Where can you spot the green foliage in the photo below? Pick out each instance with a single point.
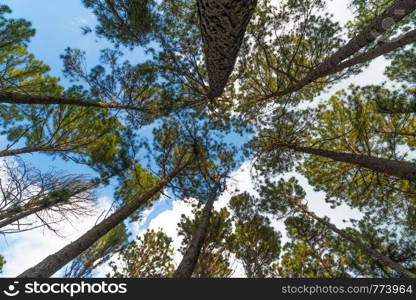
(180, 57)
(395, 242)
(287, 127)
(310, 251)
(121, 83)
(15, 31)
(21, 72)
(365, 11)
(351, 123)
(403, 67)
(280, 199)
(90, 136)
(2, 262)
(149, 256)
(99, 253)
(134, 184)
(126, 22)
(282, 46)
(214, 260)
(192, 137)
(314, 250)
(255, 242)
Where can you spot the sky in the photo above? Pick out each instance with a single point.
(57, 25)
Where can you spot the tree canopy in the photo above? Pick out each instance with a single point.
(216, 87)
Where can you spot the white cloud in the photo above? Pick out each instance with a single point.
(168, 220)
(136, 227)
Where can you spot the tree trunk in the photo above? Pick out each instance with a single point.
(223, 25)
(400, 169)
(383, 49)
(14, 214)
(395, 13)
(56, 261)
(41, 148)
(190, 258)
(16, 98)
(359, 244)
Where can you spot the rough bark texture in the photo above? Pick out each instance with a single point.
(16, 98)
(359, 244)
(190, 259)
(382, 49)
(12, 215)
(56, 261)
(223, 24)
(400, 169)
(41, 148)
(378, 26)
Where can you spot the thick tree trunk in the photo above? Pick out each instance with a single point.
(190, 258)
(359, 244)
(14, 214)
(42, 148)
(223, 25)
(400, 169)
(16, 98)
(378, 26)
(56, 261)
(383, 49)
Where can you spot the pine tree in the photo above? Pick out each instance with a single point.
(214, 260)
(256, 244)
(149, 256)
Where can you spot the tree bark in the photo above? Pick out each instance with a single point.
(190, 258)
(56, 261)
(14, 214)
(223, 25)
(396, 12)
(383, 49)
(400, 169)
(16, 98)
(42, 148)
(359, 244)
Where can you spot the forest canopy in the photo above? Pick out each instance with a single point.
(215, 89)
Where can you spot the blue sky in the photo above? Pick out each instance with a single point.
(57, 25)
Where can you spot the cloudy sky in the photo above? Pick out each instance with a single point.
(58, 26)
